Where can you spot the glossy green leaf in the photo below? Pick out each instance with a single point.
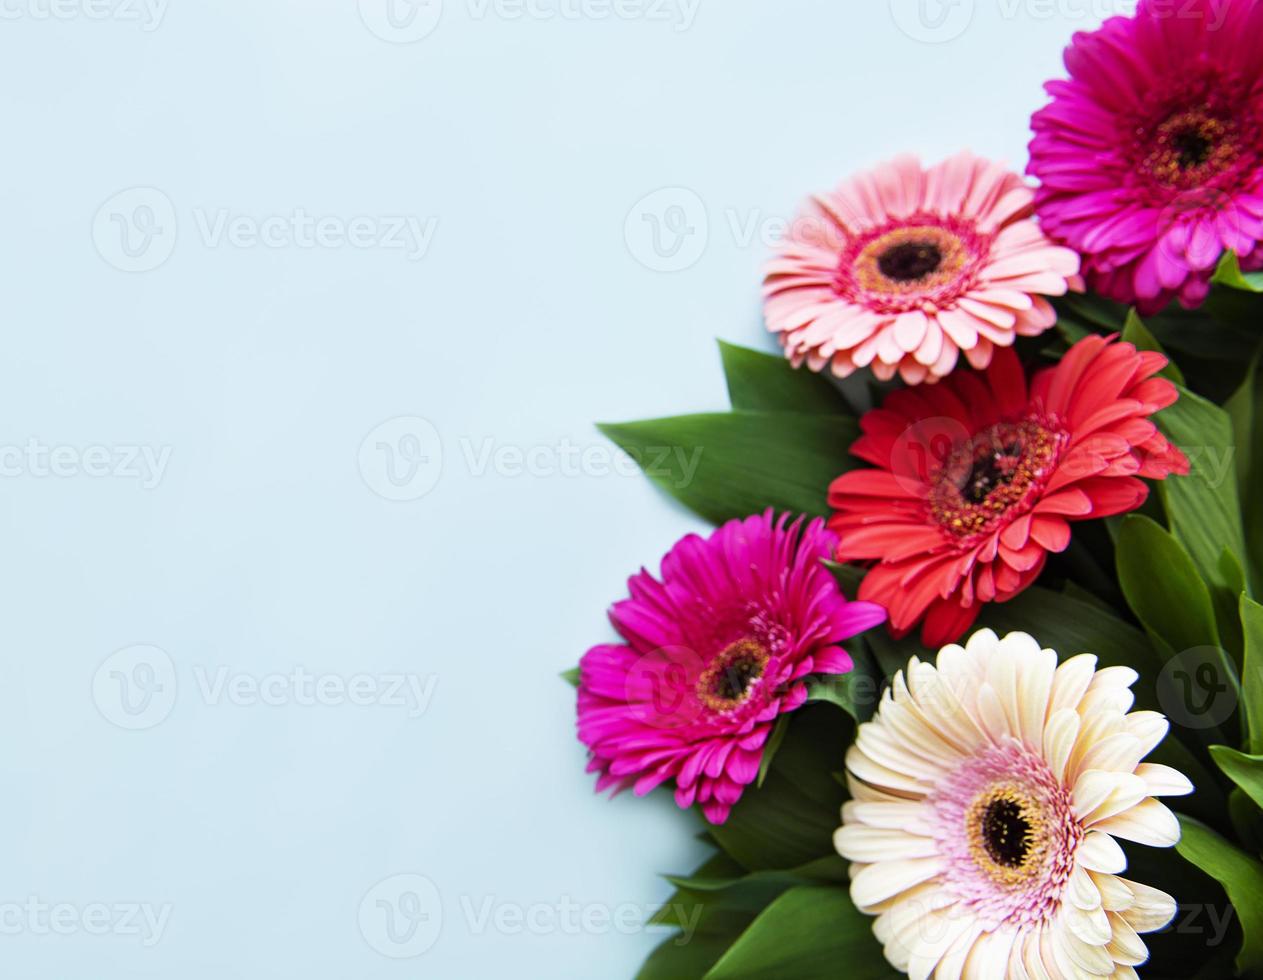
(680, 958)
(1229, 274)
(808, 933)
(725, 466)
(1204, 507)
(1163, 587)
(761, 382)
(1242, 878)
(1245, 408)
(1244, 770)
(827, 869)
(771, 747)
(1252, 673)
(790, 821)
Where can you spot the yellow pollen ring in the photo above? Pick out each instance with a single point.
(743, 662)
(954, 256)
(1021, 807)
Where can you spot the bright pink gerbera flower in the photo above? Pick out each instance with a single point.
(979, 478)
(1151, 154)
(903, 268)
(713, 654)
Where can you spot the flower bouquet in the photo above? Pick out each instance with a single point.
(967, 681)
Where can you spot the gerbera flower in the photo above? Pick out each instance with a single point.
(903, 268)
(987, 793)
(1151, 154)
(978, 478)
(713, 654)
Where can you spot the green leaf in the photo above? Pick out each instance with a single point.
(1204, 507)
(1252, 673)
(856, 692)
(1245, 408)
(1242, 878)
(790, 821)
(1136, 333)
(679, 958)
(769, 750)
(570, 676)
(1244, 770)
(761, 382)
(1162, 586)
(725, 466)
(1072, 626)
(1079, 314)
(827, 869)
(809, 933)
(1229, 274)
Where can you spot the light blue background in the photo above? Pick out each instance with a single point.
(264, 548)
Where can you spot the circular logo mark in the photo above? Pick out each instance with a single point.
(923, 449)
(932, 21)
(1182, 226)
(402, 916)
(402, 459)
(661, 687)
(667, 231)
(136, 229)
(1195, 689)
(401, 21)
(136, 687)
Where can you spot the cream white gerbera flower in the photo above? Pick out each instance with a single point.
(987, 793)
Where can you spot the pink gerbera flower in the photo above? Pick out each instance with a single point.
(712, 655)
(1151, 154)
(903, 268)
(979, 478)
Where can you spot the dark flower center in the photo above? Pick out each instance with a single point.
(732, 676)
(1006, 833)
(1192, 147)
(994, 468)
(996, 476)
(910, 261)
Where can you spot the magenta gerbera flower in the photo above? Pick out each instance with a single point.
(1150, 155)
(712, 655)
(904, 268)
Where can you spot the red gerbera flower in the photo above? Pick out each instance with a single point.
(979, 478)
